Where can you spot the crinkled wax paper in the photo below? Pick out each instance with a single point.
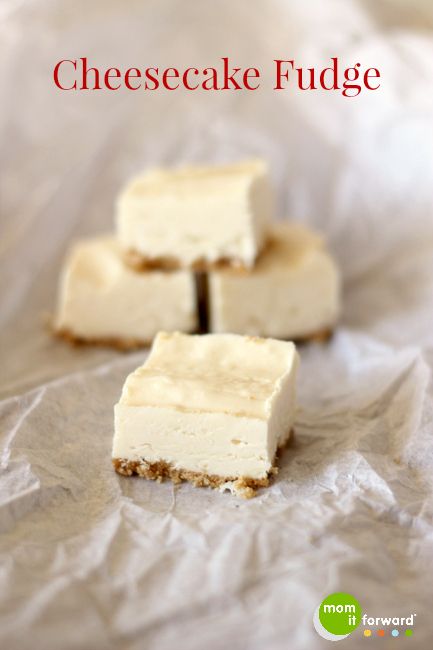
(89, 559)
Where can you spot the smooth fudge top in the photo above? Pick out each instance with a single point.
(226, 373)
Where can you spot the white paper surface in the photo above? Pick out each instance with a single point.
(89, 559)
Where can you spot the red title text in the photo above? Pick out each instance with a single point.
(80, 75)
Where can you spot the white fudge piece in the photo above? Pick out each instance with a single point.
(102, 300)
(292, 293)
(211, 409)
(197, 216)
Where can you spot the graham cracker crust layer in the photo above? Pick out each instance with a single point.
(139, 262)
(126, 345)
(321, 336)
(162, 470)
(122, 345)
(159, 471)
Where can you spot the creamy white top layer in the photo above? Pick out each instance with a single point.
(101, 297)
(197, 213)
(213, 373)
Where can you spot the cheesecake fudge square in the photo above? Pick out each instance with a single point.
(102, 301)
(196, 216)
(211, 409)
(293, 292)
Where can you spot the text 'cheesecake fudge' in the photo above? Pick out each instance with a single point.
(210, 409)
(293, 292)
(196, 216)
(102, 301)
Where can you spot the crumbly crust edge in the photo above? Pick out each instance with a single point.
(321, 336)
(126, 345)
(139, 262)
(122, 345)
(161, 470)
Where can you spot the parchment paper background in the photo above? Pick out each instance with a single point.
(92, 560)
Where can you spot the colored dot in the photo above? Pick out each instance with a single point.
(367, 632)
(409, 632)
(395, 633)
(380, 632)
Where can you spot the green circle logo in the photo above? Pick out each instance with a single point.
(337, 616)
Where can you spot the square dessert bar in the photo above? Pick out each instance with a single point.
(196, 216)
(210, 409)
(103, 301)
(293, 292)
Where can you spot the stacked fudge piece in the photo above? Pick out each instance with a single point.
(198, 240)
